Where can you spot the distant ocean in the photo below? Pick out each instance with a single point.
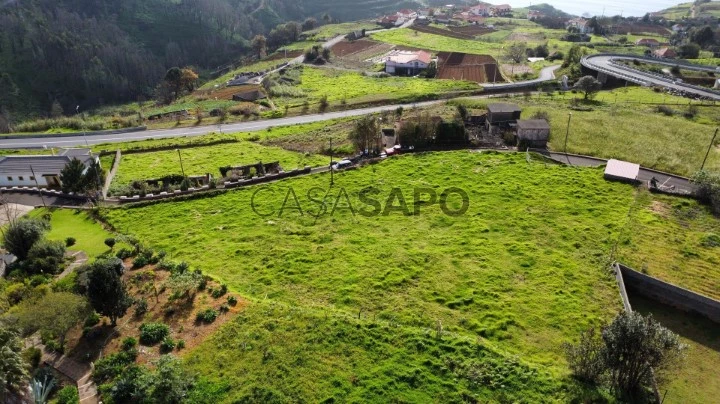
(595, 7)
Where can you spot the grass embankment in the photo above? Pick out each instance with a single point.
(525, 268)
(676, 240)
(694, 382)
(330, 31)
(208, 159)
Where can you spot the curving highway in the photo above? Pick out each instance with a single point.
(608, 64)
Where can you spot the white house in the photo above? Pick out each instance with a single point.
(482, 10)
(406, 63)
(40, 170)
(407, 14)
(580, 24)
(500, 10)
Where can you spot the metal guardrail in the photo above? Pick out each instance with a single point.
(586, 61)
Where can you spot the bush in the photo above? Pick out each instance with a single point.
(110, 242)
(665, 110)
(92, 320)
(167, 345)
(140, 261)
(32, 357)
(21, 235)
(141, 307)
(125, 253)
(232, 300)
(129, 343)
(69, 242)
(181, 344)
(112, 365)
(207, 316)
(152, 333)
(68, 395)
(217, 293)
(46, 256)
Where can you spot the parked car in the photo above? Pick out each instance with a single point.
(342, 164)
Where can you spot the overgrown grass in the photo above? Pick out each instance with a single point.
(355, 87)
(330, 31)
(676, 240)
(524, 268)
(628, 130)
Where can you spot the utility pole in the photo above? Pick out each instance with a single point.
(332, 170)
(181, 163)
(712, 142)
(38, 186)
(567, 133)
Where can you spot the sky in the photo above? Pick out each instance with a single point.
(595, 7)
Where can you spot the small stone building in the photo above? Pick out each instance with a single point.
(503, 114)
(533, 133)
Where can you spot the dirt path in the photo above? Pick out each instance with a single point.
(80, 259)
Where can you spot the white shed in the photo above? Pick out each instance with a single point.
(622, 171)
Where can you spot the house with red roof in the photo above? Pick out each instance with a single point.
(482, 10)
(650, 42)
(665, 53)
(407, 63)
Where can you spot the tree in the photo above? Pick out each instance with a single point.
(94, 177)
(13, 369)
(309, 24)
(326, 18)
(588, 85)
(689, 51)
(516, 52)
(21, 235)
(72, 177)
(54, 312)
(56, 110)
(364, 133)
(703, 36)
(542, 51)
(634, 346)
(106, 291)
(418, 132)
(46, 257)
(462, 111)
(708, 188)
(259, 45)
(110, 242)
(188, 78)
(625, 353)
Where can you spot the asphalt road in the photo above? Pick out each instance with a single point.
(80, 140)
(604, 63)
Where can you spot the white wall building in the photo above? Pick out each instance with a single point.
(40, 170)
(407, 63)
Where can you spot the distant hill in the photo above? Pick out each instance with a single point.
(550, 11)
(93, 52)
(692, 10)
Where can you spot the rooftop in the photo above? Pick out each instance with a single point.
(622, 170)
(42, 164)
(503, 108)
(533, 124)
(405, 57)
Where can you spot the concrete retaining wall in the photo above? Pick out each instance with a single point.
(670, 294)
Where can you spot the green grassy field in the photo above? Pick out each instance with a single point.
(500, 272)
(208, 159)
(355, 87)
(694, 382)
(629, 130)
(522, 271)
(259, 66)
(89, 235)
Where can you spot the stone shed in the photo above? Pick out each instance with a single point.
(503, 114)
(533, 133)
